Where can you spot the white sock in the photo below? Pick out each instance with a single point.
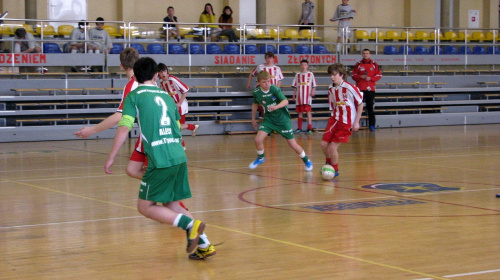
(303, 154)
(74, 51)
(97, 51)
(260, 152)
(177, 219)
(90, 51)
(206, 243)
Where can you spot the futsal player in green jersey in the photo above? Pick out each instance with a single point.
(276, 117)
(166, 178)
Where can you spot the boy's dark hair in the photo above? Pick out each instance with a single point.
(304, 61)
(169, 7)
(99, 19)
(368, 50)
(337, 68)
(128, 57)
(162, 67)
(269, 54)
(82, 24)
(145, 69)
(20, 32)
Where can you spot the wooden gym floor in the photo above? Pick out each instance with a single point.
(410, 203)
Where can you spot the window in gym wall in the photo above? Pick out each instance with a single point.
(67, 10)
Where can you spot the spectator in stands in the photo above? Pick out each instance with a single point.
(366, 72)
(77, 39)
(307, 15)
(208, 16)
(304, 86)
(171, 30)
(276, 118)
(178, 91)
(227, 30)
(346, 103)
(28, 43)
(97, 33)
(344, 14)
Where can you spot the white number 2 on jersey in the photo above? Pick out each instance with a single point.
(165, 120)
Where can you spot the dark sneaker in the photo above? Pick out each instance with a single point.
(201, 254)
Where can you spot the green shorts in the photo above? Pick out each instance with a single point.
(165, 184)
(285, 129)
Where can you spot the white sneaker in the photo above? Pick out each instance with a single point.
(196, 126)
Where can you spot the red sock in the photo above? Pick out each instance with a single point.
(299, 123)
(191, 126)
(183, 145)
(329, 161)
(182, 205)
(336, 167)
(309, 127)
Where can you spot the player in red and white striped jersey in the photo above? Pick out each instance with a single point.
(304, 86)
(346, 103)
(178, 90)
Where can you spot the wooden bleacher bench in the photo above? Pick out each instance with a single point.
(209, 100)
(208, 115)
(409, 109)
(439, 84)
(58, 119)
(487, 84)
(393, 84)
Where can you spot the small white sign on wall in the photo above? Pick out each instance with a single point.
(67, 10)
(473, 18)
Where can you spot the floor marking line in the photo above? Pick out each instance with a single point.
(328, 252)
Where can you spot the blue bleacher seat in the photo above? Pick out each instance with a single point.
(463, 49)
(302, 49)
(490, 50)
(140, 49)
(251, 49)
(51, 48)
(421, 50)
(320, 49)
(450, 50)
(176, 49)
(432, 49)
(116, 49)
(479, 50)
(232, 49)
(390, 50)
(156, 49)
(196, 49)
(214, 49)
(268, 48)
(285, 49)
(405, 50)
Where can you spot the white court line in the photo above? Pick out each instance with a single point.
(465, 274)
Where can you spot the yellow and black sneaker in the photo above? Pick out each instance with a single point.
(201, 254)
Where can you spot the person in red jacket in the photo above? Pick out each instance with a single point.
(366, 73)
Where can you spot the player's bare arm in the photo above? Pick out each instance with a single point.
(120, 137)
(107, 123)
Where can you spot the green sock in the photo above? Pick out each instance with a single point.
(184, 222)
(261, 156)
(305, 159)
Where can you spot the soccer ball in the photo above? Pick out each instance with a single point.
(327, 172)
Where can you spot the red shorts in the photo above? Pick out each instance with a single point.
(337, 132)
(302, 108)
(139, 156)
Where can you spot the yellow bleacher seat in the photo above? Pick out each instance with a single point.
(261, 34)
(307, 33)
(478, 36)
(421, 35)
(6, 30)
(362, 35)
(112, 31)
(489, 36)
(293, 34)
(27, 27)
(65, 30)
(377, 35)
(133, 32)
(462, 37)
(48, 30)
(407, 35)
(274, 34)
(433, 36)
(449, 36)
(391, 35)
